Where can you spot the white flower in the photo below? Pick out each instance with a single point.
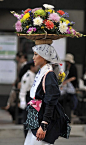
(48, 6)
(63, 27)
(37, 21)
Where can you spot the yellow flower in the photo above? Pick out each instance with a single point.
(50, 10)
(62, 80)
(67, 21)
(27, 27)
(60, 21)
(22, 20)
(26, 16)
(63, 19)
(61, 76)
(55, 26)
(42, 27)
(70, 27)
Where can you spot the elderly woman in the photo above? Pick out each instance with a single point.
(49, 121)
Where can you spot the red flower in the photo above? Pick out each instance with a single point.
(45, 21)
(61, 12)
(27, 10)
(49, 24)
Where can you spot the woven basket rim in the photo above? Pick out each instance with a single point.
(43, 36)
(43, 41)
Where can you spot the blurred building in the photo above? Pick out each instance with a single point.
(77, 13)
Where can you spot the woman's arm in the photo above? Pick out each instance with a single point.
(69, 80)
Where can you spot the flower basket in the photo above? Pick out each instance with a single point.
(44, 24)
(43, 38)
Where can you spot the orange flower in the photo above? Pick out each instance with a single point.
(61, 12)
(49, 24)
(27, 10)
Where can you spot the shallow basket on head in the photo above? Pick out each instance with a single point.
(44, 39)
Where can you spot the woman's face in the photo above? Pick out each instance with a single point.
(38, 60)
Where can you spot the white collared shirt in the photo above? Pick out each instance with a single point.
(26, 84)
(24, 63)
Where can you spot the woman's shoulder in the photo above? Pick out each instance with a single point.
(51, 74)
(51, 77)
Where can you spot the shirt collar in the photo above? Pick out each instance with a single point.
(23, 63)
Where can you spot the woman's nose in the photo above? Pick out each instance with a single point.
(33, 57)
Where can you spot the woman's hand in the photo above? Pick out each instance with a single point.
(19, 85)
(40, 134)
(7, 107)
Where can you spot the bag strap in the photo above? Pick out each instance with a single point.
(43, 82)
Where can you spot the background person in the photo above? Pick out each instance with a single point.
(18, 67)
(26, 84)
(24, 66)
(66, 100)
(72, 77)
(11, 102)
(84, 77)
(70, 66)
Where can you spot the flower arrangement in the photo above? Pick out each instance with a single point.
(61, 77)
(44, 21)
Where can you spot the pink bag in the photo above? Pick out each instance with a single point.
(36, 104)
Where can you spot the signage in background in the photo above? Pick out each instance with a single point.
(8, 66)
(7, 71)
(8, 46)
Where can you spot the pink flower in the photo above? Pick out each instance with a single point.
(68, 31)
(21, 16)
(17, 16)
(35, 9)
(54, 17)
(18, 26)
(31, 29)
(73, 31)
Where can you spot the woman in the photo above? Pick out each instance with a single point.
(50, 115)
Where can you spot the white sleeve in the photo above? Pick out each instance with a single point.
(63, 90)
(70, 88)
(23, 90)
(81, 84)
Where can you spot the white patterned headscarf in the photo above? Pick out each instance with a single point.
(47, 52)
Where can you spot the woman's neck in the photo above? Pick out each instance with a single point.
(43, 65)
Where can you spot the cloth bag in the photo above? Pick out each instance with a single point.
(32, 109)
(64, 119)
